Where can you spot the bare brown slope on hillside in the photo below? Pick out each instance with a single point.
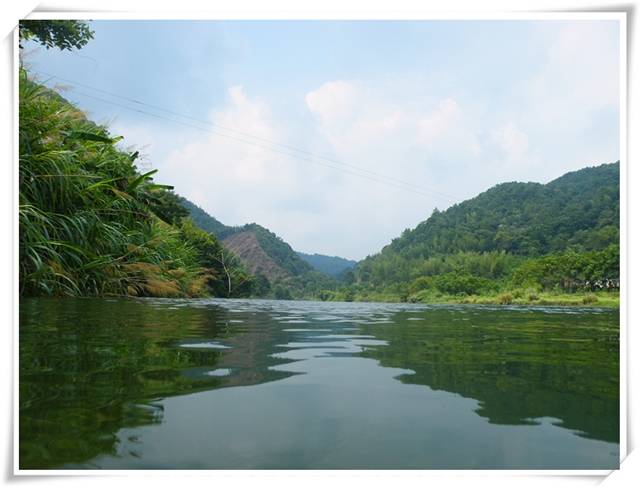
(248, 249)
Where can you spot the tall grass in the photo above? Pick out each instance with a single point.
(86, 227)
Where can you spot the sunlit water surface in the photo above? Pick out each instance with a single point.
(197, 384)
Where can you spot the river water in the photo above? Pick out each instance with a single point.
(244, 384)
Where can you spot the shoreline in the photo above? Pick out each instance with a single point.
(590, 300)
(578, 300)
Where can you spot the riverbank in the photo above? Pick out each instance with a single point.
(601, 299)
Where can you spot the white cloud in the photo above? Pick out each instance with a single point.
(233, 175)
(333, 101)
(512, 141)
(440, 121)
(574, 90)
(581, 65)
(419, 143)
(315, 208)
(445, 142)
(364, 124)
(563, 117)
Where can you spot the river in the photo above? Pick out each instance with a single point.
(244, 384)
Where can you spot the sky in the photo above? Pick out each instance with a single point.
(338, 135)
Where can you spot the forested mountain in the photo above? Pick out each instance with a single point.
(273, 257)
(278, 268)
(332, 266)
(473, 246)
(579, 209)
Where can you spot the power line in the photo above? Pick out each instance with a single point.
(420, 189)
(252, 143)
(363, 172)
(286, 146)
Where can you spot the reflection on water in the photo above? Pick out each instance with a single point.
(126, 383)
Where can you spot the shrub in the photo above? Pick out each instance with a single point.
(505, 298)
(420, 284)
(462, 283)
(590, 299)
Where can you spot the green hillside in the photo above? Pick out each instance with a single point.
(279, 250)
(579, 209)
(561, 236)
(278, 269)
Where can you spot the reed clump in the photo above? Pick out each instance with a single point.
(88, 217)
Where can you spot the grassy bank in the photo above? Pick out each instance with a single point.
(599, 299)
(604, 299)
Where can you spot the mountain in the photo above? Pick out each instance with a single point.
(263, 253)
(578, 211)
(205, 221)
(246, 246)
(332, 266)
(580, 208)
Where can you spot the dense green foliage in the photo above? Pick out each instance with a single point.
(396, 269)
(63, 34)
(301, 281)
(598, 269)
(332, 266)
(91, 224)
(226, 275)
(279, 250)
(516, 237)
(276, 248)
(579, 210)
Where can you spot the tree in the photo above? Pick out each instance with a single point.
(63, 34)
(261, 286)
(281, 292)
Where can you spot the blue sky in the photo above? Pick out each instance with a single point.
(452, 107)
